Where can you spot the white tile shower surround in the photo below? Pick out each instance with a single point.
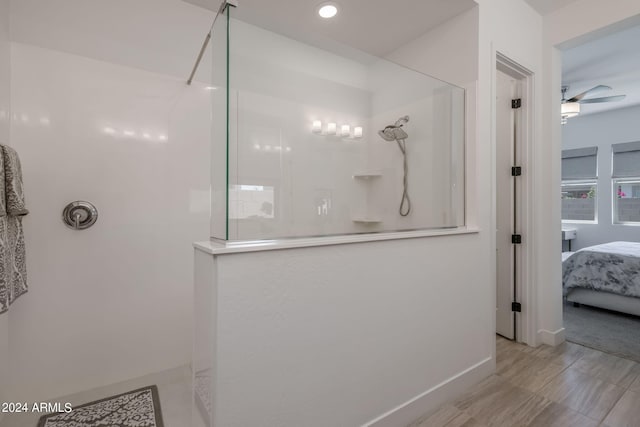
(295, 81)
(174, 389)
(136, 145)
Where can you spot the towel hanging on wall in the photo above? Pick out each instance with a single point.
(13, 267)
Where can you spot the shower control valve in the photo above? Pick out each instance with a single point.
(79, 215)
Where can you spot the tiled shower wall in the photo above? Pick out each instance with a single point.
(101, 113)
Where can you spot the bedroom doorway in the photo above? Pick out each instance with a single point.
(513, 136)
(599, 184)
(507, 100)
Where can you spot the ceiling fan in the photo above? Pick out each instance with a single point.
(571, 107)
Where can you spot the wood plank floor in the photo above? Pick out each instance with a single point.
(565, 386)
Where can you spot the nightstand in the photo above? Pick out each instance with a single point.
(568, 234)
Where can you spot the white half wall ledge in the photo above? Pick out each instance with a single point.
(300, 323)
(423, 403)
(219, 247)
(551, 338)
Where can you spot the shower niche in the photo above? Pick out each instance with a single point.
(367, 200)
(307, 141)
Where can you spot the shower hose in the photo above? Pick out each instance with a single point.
(405, 204)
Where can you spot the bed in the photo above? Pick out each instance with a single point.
(605, 276)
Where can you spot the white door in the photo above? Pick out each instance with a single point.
(506, 90)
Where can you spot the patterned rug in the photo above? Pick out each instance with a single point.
(137, 408)
(202, 388)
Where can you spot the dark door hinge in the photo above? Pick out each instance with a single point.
(516, 103)
(516, 171)
(516, 239)
(516, 306)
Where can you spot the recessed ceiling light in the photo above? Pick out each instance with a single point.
(328, 10)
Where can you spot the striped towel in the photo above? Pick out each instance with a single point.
(13, 267)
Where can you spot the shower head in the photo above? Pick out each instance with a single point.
(402, 121)
(395, 132)
(392, 133)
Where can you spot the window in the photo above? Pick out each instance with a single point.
(251, 202)
(626, 182)
(579, 184)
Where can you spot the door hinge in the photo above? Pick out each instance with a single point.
(516, 171)
(516, 103)
(516, 239)
(516, 306)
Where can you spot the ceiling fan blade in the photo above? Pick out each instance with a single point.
(604, 99)
(591, 91)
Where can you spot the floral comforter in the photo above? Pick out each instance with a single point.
(612, 267)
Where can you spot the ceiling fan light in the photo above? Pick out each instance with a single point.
(570, 109)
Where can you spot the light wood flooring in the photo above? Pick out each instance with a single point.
(565, 386)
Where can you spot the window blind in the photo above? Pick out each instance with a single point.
(580, 163)
(626, 160)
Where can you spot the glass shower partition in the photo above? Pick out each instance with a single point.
(203, 363)
(219, 47)
(312, 142)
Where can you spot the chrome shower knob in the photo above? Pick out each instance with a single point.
(79, 215)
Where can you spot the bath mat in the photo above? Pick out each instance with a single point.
(136, 408)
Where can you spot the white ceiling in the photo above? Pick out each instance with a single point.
(612, 60)
(374, 27)
(547, 6)
(377, 27)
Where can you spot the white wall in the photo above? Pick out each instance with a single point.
(514, 29)
(601, 130)
(161, 36)
(560, 30)
(115, 301)
(5, 104)
(429, 54)
(359, 328)
(435, 149)
(274, 146)
(5, 72)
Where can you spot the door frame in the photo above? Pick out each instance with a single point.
(526, 321)
(507, 213)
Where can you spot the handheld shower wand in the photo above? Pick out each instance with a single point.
(395, 132)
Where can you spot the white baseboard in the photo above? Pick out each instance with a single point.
(551, 338)
(449, 389)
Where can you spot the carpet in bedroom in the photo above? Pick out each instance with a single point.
(604, 330)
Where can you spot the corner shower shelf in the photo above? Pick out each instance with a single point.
(366, 190)
(366, 175)
(366, 220)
